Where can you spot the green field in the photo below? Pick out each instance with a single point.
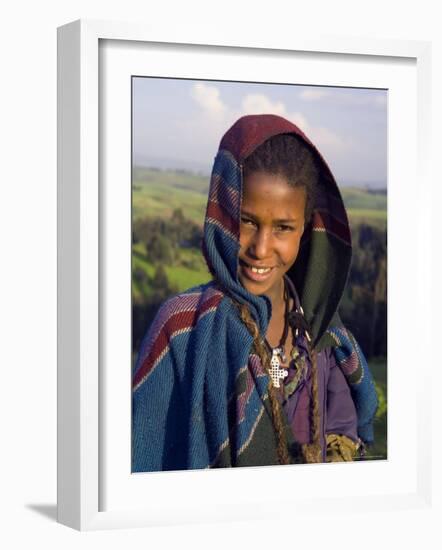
(365, 214)
(180, 276)
(158, 193)
(379, 450)
(356, 198)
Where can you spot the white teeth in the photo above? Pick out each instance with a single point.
(260, 270)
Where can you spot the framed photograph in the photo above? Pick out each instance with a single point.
(140, 118)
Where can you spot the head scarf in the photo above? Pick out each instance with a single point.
(321, 269)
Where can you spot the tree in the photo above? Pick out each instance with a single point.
(364, 307)
(160, 280)
(158, 249)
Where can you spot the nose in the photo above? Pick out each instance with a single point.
(261, 244)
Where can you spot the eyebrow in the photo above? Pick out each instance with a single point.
(251, 216)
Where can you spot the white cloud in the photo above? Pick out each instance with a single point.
(217, 117)
(377, 98)
(301, 121)
(313, 94)
(255, 104)
(328, 141)
(209, 98)
(324, 138)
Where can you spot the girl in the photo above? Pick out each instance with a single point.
(255, 367)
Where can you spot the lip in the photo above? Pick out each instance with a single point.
(246, 270)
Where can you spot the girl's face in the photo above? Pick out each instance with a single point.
(272, 223)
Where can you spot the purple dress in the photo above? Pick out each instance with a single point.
(336, 406)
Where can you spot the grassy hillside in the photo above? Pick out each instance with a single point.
(356, 198)
(365, 206)
(189, 271)
(158, 193)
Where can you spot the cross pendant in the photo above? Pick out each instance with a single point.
(276, 373)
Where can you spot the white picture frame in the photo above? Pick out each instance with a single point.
(83, 465)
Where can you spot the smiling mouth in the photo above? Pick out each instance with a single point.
(255, 273)
(259, 269)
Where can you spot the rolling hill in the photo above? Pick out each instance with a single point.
(157, 193)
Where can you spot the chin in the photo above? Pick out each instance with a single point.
(253, 288)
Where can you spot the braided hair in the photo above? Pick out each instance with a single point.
(260, 349)
(288, 156)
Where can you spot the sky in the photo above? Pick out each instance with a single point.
(178, 123)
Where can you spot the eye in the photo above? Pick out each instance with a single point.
(283, 228)
(247, 221)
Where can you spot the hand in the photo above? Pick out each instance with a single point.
(340, 448)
